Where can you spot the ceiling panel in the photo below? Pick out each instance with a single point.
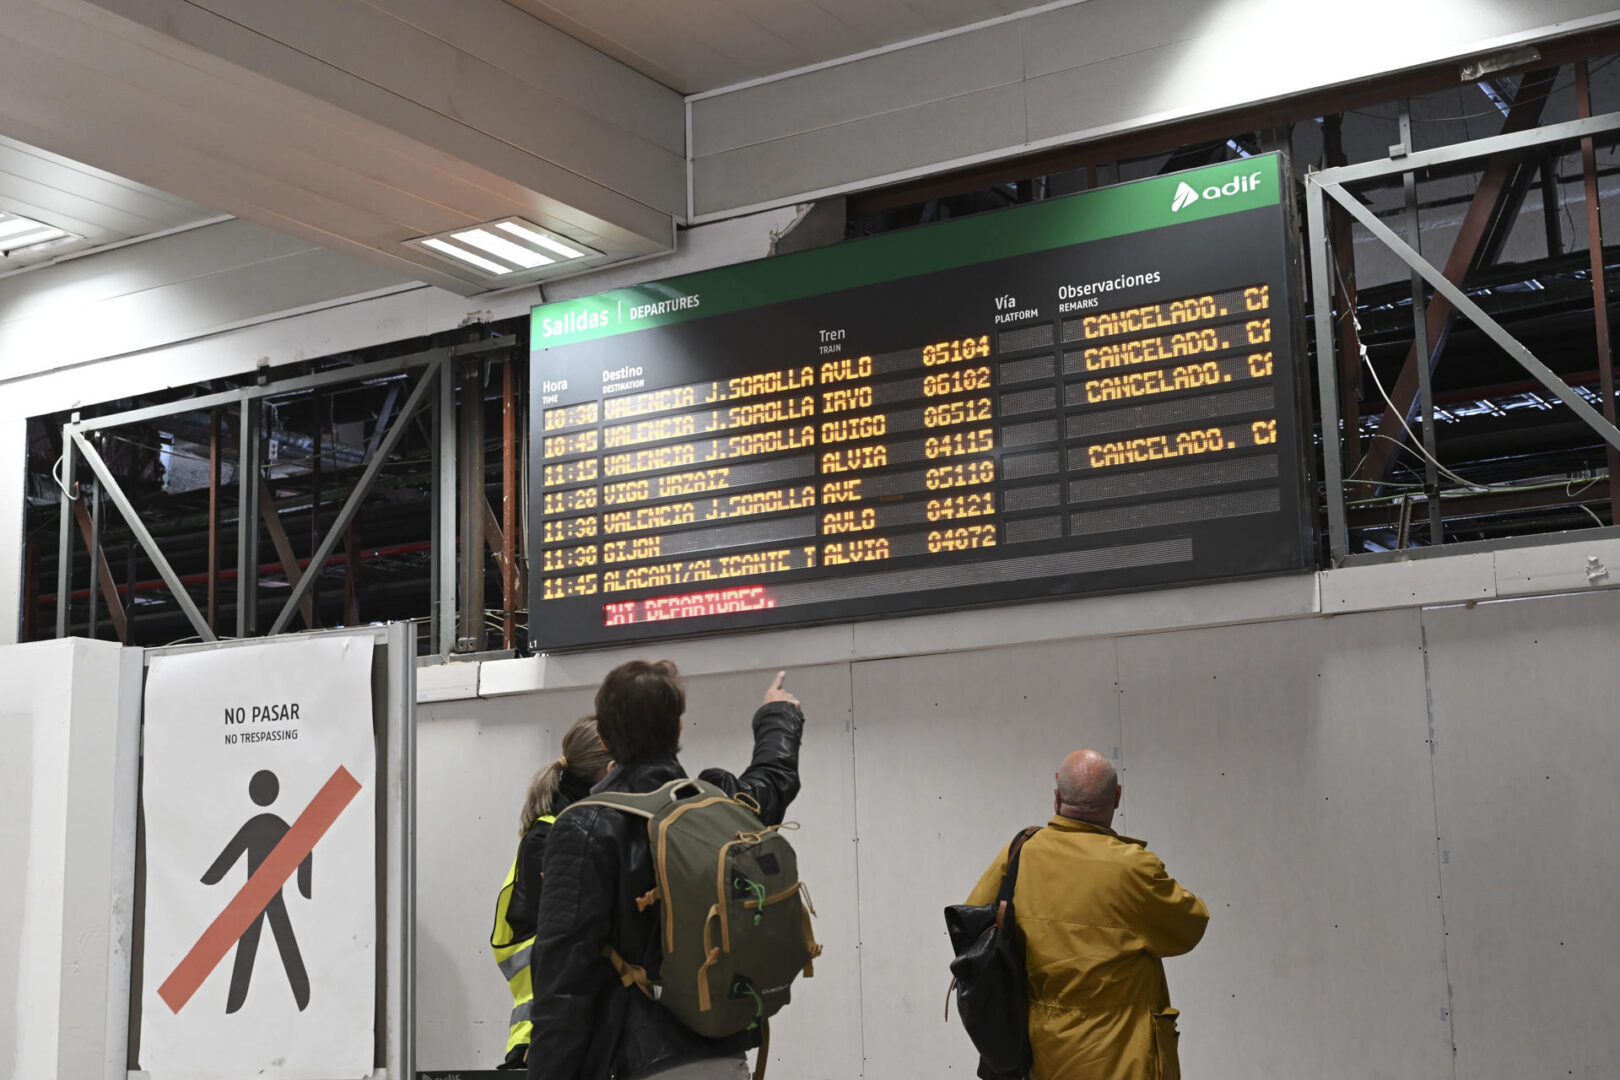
(356, 124)
(95, 206)
(704, 45)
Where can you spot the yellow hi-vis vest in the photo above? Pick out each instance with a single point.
(512, 957)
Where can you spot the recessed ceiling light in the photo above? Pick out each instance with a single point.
(510, 248)
(17, 233)
(540, 238)
(463, 255)
(507, 250)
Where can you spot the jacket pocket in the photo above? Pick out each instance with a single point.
(1165, 1039)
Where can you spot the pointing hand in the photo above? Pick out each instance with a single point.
(776, 693)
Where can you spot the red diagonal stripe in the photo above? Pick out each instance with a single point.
(272, 874)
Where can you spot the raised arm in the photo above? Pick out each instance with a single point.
(772, 776)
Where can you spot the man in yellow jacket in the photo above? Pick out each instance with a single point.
(1098, 914)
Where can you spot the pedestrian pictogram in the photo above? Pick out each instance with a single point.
(274, 851)
(256, 840)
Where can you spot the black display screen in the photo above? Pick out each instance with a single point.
(767, 445)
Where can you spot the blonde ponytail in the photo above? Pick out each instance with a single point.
(584, 758)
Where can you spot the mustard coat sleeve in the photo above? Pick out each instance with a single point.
(989, 885)
(1172, 920)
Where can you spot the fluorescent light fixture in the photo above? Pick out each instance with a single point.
(508, 249)
(519, 229)
(465, 256)
(17, 233)
(496, 245)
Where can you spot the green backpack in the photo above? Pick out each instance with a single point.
(735, 918)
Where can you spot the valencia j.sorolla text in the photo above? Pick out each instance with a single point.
(1088, 395)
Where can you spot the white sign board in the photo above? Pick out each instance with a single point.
(258, 791)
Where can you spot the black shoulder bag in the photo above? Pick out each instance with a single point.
(988, 976)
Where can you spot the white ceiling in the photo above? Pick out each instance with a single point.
(358, 125)
(698, 45)
(95, 206)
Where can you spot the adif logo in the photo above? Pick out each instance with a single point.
(1186, 196)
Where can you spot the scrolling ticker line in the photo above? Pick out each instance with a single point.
(249, 903)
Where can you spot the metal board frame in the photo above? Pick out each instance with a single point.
(434, 390)
(1331, 184)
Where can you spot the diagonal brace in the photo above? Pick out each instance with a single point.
(362, 488)
(144, 538)
(1491, 328)
(283, 546)
(102, 572)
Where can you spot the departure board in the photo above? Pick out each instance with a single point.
(1090, 394)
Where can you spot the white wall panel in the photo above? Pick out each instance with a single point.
(68, 722)
(954, 754)
(1527, 751)
(1281, 768)
(718, 709)
(1087, 69)
(1282, 772)
(33, 779)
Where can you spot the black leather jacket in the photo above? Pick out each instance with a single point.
(587, 1026)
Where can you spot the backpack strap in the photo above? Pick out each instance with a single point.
(764, 1049)
(1010, 879)
(630, 974)
(643, 804)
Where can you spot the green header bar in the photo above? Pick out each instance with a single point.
(1155, 203)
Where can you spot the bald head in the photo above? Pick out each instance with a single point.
(1087, 788)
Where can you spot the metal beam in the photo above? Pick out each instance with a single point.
(444, 515)
(1600, 292)
(1420, 344)
(1344, 296)
(1326, 383)
(91, 626)
(362, 488)
(472, 506)
(1570, 131)
(284, 549)
(1550, 223)
(384, 414)
(1489, 503)
(133, 519)
(494, 535)
(68, 494)
(247, 518)
(1478, 238)
(509, 505)
(213, 518)
(351, 574)
(103, 572)
(333, 377)
(1487, 325)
